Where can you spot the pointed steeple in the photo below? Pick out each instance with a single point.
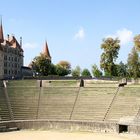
(46, 51)
(1, 33)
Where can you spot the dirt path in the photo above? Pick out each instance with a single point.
(54, 135)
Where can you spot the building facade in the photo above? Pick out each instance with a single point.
(11, 56)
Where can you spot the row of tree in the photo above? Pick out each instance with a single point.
(109, 68)
(43, 66)
(110, 53)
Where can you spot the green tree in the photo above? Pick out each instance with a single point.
(52, 70)
(86, 73)
(63, 68)
(137, 42)
(41, 64)
(65, 64)
(61, 71)
(76, 72)
(96, 72)
(122, 70)
(133, 63)
(110, 48)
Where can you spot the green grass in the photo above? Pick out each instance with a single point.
(22, 83)
(130, 91)
(62, 82)
(59, 90)
(98, 90)
(100, 84)
(133, 85)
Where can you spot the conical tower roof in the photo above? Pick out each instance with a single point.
(46, 51)
(1, 33)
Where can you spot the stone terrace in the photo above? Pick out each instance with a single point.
(65, 100)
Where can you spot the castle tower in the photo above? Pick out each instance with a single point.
(1, 33)
(46, 51)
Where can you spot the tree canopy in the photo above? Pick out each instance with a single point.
(65, 64)
(110, 48)
(41, 65)
(96, 72)
(133, 63)
(63, 68)
(122, 70)
(76, 72)
(86, 73)
(137, 42)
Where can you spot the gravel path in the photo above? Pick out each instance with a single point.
(55, 135)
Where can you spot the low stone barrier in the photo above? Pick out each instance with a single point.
(71, 125)
(62, 125)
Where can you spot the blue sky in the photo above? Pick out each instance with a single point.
(74, 29)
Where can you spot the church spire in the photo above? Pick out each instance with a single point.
(46, 51)
(1, 33)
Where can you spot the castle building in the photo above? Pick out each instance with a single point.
(11, 56)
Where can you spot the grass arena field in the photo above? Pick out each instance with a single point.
(61, 135)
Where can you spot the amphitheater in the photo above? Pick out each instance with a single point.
(99, 106)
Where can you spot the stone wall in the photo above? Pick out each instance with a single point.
(63, 125)
(134, 129)
(84, 126)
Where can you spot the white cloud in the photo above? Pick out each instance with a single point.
(124, 35)
(30, 45)
(80, 34)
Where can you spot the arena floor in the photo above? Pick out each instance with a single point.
(54, 135)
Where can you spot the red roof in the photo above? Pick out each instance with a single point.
(46, 51)
(1, 33)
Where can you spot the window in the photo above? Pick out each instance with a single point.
(5, 64)
(5, 71)
(15, 59)
(15, 71)
(15, 51)
(5, 57)
(5, 49)
(15, 65)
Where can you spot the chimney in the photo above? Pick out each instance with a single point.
(8, 37)
(21, 42)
